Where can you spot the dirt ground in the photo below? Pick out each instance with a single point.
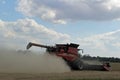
(73, 75)
(21, 66)
(114, 74)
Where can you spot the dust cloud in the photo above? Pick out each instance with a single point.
(12, 61)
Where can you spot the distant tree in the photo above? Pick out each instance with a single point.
(102, 59)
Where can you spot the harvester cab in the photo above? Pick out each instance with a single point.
(70, 53)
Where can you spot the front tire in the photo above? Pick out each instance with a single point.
(76, 64)
(80, 66)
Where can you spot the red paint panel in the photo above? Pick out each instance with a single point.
(72, 50)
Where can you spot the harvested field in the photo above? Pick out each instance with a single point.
(114, 74)
(21, 66)
(115, 66)
(74, 75)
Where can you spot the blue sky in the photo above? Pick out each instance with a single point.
(94, 24)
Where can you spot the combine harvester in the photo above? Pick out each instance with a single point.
(69, 52)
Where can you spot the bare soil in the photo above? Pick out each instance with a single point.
(21, 66)
(73, 75)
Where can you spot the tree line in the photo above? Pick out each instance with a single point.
(102, 59)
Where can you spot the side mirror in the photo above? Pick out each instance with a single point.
(81, 50)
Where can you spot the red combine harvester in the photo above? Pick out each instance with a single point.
(69, 52)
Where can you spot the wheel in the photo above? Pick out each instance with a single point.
(80, 66)
(76, 64)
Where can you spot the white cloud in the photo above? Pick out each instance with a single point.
(113, 4)
(106, 44)
(22, 31)
(61, 11)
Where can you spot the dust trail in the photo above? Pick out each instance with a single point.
(12, 61)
